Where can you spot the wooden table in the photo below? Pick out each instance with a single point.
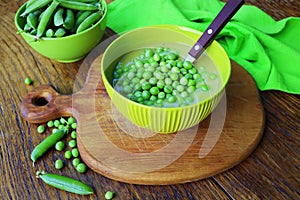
(270, 172)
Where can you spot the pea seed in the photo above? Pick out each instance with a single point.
(72, 143)
(41, 129)
(56, 123)
(68, 154)
(50, 124)
(59, 146)
(81, 168)
(73, 134)
(59, 164)
(75, 152)
(74, 126)
(27, 81)
(109, 195)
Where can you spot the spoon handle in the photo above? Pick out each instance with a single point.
(227, 12)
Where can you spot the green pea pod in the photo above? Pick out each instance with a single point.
(69, 21)
(35, 5)
(46, 144)
(65, 183)
(58, 17)
(32, 20)
(89, 21)
(47, 14)
(60, 32)
(80, 18)
(75, 5)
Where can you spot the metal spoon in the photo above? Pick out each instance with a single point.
(227, 12)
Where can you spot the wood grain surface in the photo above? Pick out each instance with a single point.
(271, 172)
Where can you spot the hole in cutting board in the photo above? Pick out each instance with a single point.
(40, 101)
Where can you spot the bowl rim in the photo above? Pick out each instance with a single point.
(197, 33)
(21, 31)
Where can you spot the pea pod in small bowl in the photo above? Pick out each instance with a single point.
(61, 31)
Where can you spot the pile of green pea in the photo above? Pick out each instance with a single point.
(58, 18)
(71, 150)
(160, 77)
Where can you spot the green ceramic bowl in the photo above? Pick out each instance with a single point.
(163, 120)
(65, 49)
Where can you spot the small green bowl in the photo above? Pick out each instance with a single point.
(65, 49)
(163, 120)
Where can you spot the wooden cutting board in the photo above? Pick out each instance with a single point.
(115, 148)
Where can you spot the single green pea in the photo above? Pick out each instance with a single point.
(168, 89)
(191, 82)
(74, 125)
(191, 89)
(73, 134)
(147, 75)
(146, 94)
(68, 154)
(41, 129)
(59, 164)
(175, 70)
(81, 168)
(193, 70)
(184, 94)
(127, 89)
(161, 95)
(175, 84)
(154, 90)
(60, 126)
(27, 81)
(183, 81)
(174, 76)
(168, 81)
(146, 86)
(180, 88)
(172, 99)
(72, 143)
(75, 162)
(50, 124)
(160, 84)
(149, 53)
(156, 57)
(153, 80)
(187, 65)
(109, 195)
(59, 146)
(135, 80)
(75, 152)
(188, 76)
(138, 63)
(56, 123)
(153, 98)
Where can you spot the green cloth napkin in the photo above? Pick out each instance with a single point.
(269, 50)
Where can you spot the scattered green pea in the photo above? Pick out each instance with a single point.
(27, 81)
(73, 135)
(56, 123)
(109, 195)
(72, 143)
(75, 152)
(74, 125)
(41, 129)
(50, 124)
(81, 168)
(59, 164)
(71, 120)
(59, 146)
(68, 154)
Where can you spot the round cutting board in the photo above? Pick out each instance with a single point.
(112, 146)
